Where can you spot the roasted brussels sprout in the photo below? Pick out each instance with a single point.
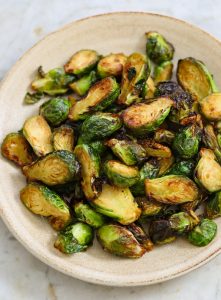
(55, 168)
(63, 138)
(102, 94)
(55, 110)
(183, 167)
(55, 82)
(135, 73)
(171, 189)
(210, 107)
(164, 136)
(99, 147)
(182, 222)
(154, 149)
(158, 48)
(117, 203)
(165, 164)
(140, 235)
(149, 89)
(74, 238)
(42, 201)
(90, 164)
(82, 62)
(99, 126)
(32, 98)
(149, 208)
(38, 133)
(186, 142)
(195, 78)
(203, 234)
(161, 232)
(111, 65)
(213, 206)
(211, 141)
(82, 85)
(163, 72)
(128, 151)
(16, 148)
(121, 175)
(87, 215)
(208, 171)
(120, 241)
(142, 118)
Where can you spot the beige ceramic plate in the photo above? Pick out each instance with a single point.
(106, 33)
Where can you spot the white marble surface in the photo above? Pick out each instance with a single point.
(23, 277)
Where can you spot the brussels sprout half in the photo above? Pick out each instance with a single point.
(154, 149)
(82, 85)
(121, 175)
(213, 206)
(111, 65)
(117, 203)
(74, 238)
(163, 72)
(203, 234)
(164, 136)
(58, 167)
(210, 107)
(161, 232)
(16, 148)
(38, 133)
(182, 222)
(183, 167)
(142, 118)
(42, 201)
(63, 138)
(149, 208)
(171, 189)
(82, 62)
(211, 141)
(165, 164)
(140, 235)
(101, 95)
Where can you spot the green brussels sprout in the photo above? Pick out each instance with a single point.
(171, 189)
(74, 238)
(164, 165)
(149, 170)
(55, 82)
(90, 170)
(208, 171)
(182, 222)
(98, 146)
(16, 148)
(101, 95)
(203, 234)
(158, 48)
(58, 167)
(127, 151)
(63, 138)
(163, 72)
(117, 203)
(164, 136)
(135, 73)
(38, 133)
(183, 167)
(149, 89)
(218, 130)
(32, 98)
(161, 232)
(121, 175)
(186, 142)
(82, 85)
(55, 110)
(149, 208)
(87, 215)
(142, 118)
(154, 149)
(140, 235)
(111, 65)
(211, 141)
(118, 240)
(210, 107)
(99, 126)
(82, 62)
(195, 78)
(213, 206)
(44, 202)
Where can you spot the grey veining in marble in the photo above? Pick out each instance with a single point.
(23, 277)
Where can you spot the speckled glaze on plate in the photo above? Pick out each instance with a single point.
(116, 32)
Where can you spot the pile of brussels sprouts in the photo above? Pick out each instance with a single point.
(120, 150)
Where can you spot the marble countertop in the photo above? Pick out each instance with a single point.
(23, 277)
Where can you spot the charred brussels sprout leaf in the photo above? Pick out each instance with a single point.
(90, 170)
(140, 236)
(111, 65)
(38, 133)
(32, 98)
(163, 72)
(149, 208)
(74, 238)
(129, 152)
(82, 62)
(142, 118)
(120, 241)
(87, 215)
(161, 232)
(203, 234)
(155, 150)
(135, 73)
(164, 136)
(16, 148)
(42, 201)
(55, 168)
(158, 48)
(121, 175)
(101, 95)
(55, 110)
(183, 167)
(210, 107)
(211, 141)
(195, 78)
(213, 206)
(165, 164)
(82, 85)
(63, 138)
(149, 89)
(117, 203)
(171, 189)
